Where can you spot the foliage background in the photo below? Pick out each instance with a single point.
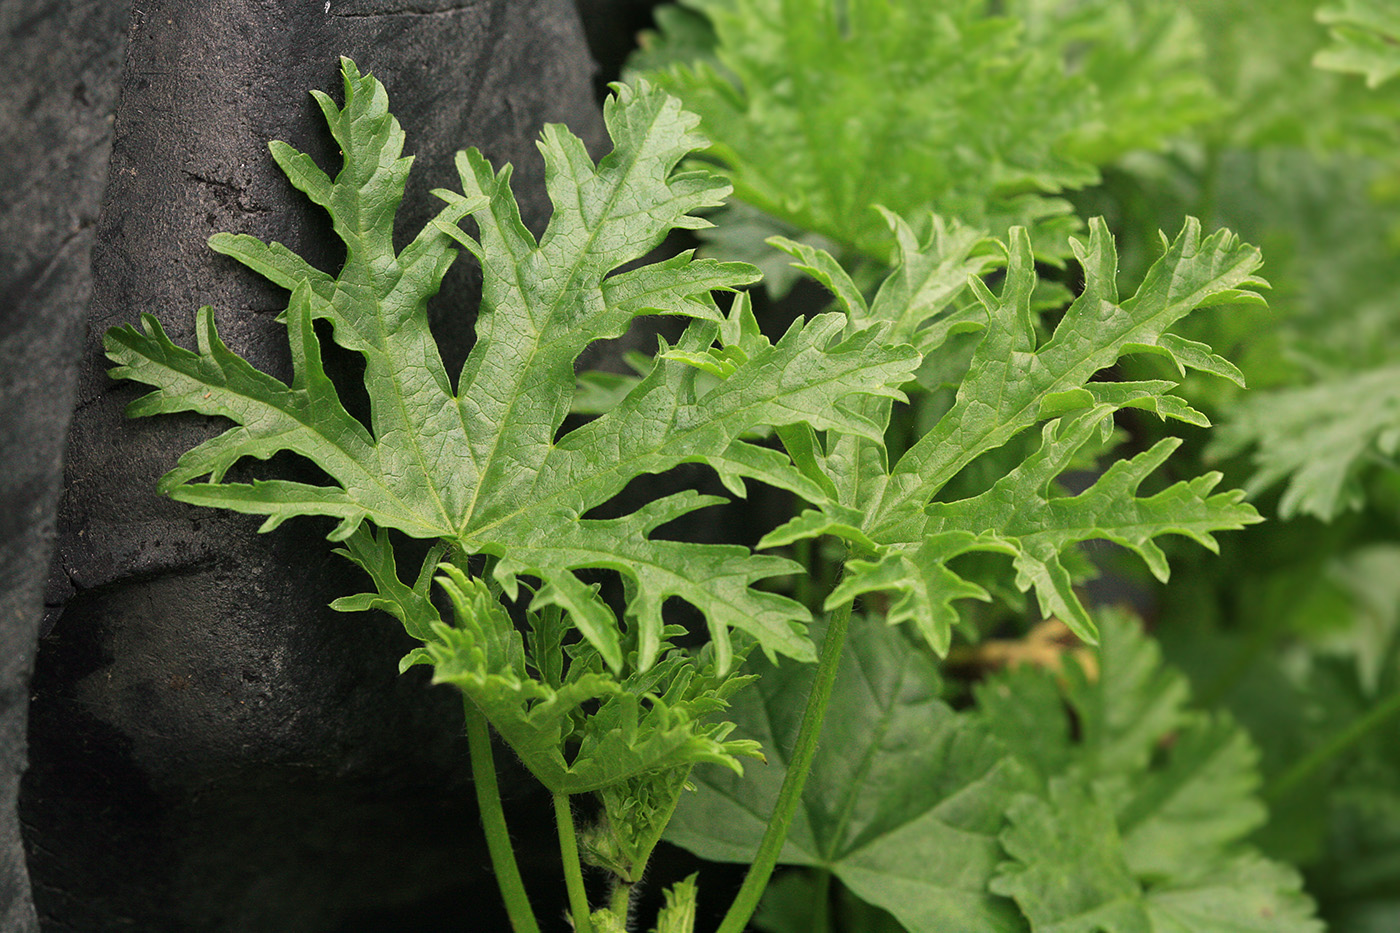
(1275, 121)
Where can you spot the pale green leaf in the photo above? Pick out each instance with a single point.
(1013, 380)
(979, 112)
(632, 731)
(1067, 873)
(1145, 804)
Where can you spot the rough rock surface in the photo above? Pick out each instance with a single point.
(62, 65)
(211, 748)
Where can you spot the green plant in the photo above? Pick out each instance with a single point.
(1295, 630)
(479, 469)
(594, 703)
(984, 112)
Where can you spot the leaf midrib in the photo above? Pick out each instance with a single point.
(552, 307)
(354, 195)
(862, 773)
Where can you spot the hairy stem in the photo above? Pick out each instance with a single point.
(790, 795)
(493, 820)
(573, 869)
(621, 901)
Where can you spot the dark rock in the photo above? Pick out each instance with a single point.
(62, 62)
(611, 28)
(211, 748)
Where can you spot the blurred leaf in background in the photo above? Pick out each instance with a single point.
(984, 113)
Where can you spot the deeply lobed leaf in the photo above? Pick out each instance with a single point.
(645, 723)
(905, 539)
(479, 467)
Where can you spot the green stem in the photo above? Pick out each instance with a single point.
(1358, 730)
(493, 820)
(790, 795)
(621, 901)
(821, 923)
(573, 869)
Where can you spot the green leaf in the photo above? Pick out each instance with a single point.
(1246, 893)
(1144, 806)
(791, 902)
(480, 467)
(1320, 438)
(411, 605)
(1121, 809)
(1012, 381)
(1146, 62)
(1069, 875)
(921, 294)
(1010, 375)
(634, 729)
(1023, 516)
(982, 112)
(923, 586)
(678, 914)
(904, 800)
(1365, 39)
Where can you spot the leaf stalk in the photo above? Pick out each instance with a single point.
(573, 868)
(493, 820)
(790, 795)
(1338, 745)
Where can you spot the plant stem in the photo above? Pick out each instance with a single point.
(1358, 730)
(493, 820)
(621, 901)
(790, 795)
(573, 869)
(821, 923)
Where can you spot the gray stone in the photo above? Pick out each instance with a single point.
(62, 64)
(211, 748)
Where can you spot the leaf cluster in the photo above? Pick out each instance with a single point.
(892, 511)
(983, 112)
(479, 464)
(594, 700)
